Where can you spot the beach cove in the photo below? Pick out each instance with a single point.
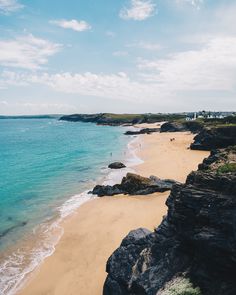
(97, 228)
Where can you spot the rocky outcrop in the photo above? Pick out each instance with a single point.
(134, 184)
(192, 126)
(116, 165)
(173, 127)
(214, 138)
(193, 251)
(142, 131)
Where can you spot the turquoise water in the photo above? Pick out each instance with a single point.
(44, 163)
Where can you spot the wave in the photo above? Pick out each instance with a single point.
(17, 267)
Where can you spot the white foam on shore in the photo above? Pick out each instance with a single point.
(14, 271)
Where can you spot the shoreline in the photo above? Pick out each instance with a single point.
(28, 254)
(79, 224)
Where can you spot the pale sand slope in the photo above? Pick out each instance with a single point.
(97, 228)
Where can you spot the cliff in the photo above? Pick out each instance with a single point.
(193, 251)
(215, 137)
(121, 119)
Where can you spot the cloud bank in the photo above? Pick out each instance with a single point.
(27, 52)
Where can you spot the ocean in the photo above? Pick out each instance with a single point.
(47, 167)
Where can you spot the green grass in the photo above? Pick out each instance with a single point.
(227, 168)
(181, 286)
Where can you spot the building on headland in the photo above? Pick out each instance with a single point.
(208, 115)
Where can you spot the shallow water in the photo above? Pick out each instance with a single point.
(46, 168)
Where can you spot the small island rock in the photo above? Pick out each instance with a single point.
(116, 165)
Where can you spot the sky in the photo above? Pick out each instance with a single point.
(120, 56)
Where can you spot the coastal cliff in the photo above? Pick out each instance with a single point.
(121, 119)
(216, 137)
(193, 251)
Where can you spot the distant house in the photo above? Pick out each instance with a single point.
(207, 115)
(191, 116)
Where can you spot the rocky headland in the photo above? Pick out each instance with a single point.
(193, 251)
(121, 119)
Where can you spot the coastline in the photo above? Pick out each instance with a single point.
(105, 221)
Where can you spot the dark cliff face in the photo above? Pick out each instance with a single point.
(193, 251)
(193, 126)
(212, 138)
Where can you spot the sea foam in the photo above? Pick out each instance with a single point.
(18, 266)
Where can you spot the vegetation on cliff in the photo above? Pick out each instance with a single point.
(121, 119)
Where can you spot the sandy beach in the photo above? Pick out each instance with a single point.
(96, 229)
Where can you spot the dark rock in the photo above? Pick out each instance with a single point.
(173, 127)
(116, 165)
(134, 184)
(215, 138)
(142, 131)
(196, 241)
(107, 190)
(192, 126)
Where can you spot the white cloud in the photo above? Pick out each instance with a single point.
(113, 86)
(3, 102)
(120, 53)
(110, 34)
(211, 68)
(138, 10)
(9, 6)
(26, 52)
(145, 45)
(172, 81)
(195, 3)
(73, 24)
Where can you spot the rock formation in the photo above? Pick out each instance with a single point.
(172, 127)
(116, 165)
(193, 251)
(142, 131)
(213, 138)
(193, 126)
(134, 184)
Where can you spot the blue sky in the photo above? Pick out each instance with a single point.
(128, 56)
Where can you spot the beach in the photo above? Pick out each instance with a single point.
(97, 228)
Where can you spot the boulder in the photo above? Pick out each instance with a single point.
(107, 190)
(116, 165)
(142, 131)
